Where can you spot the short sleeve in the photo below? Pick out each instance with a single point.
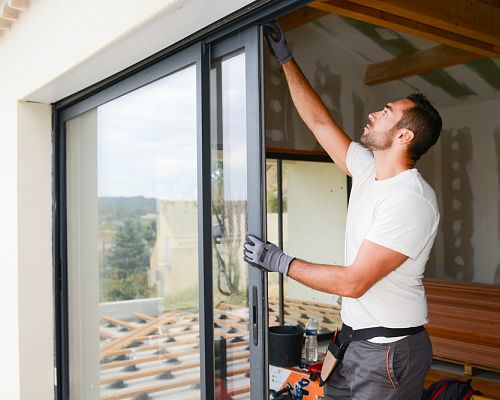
(404, 222)
(358, 159)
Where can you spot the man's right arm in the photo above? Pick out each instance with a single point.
(316, 116)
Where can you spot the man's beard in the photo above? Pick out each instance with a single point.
(377, 141)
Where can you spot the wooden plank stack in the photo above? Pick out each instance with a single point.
(464, 323)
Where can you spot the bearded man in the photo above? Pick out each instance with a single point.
(392, 222)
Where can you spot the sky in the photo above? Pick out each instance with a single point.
(147, 138)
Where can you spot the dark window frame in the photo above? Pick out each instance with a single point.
(185, 58)
(193, 49)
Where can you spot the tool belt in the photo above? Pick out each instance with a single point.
(346, 335)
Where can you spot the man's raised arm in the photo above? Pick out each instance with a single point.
(310, 107)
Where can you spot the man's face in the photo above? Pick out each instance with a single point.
(379, 133)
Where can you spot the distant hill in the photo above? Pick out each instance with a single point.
(117, 208)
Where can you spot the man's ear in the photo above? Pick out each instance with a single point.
(405, 136)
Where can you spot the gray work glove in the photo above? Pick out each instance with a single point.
(277, 42)
(265, 255)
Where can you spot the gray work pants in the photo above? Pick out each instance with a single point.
(382, 371)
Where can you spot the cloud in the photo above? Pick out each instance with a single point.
(147, 139)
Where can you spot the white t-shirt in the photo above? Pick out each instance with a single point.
(399, 213)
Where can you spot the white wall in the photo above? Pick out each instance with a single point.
(55, 49)
(34, 284)
(316, 217)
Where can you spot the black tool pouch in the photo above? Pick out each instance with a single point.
(335, 353)
(338, 346)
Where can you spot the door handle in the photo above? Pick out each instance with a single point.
(255, 320)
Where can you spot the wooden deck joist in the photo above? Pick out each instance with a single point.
(162, 357)
(164, 387)
(119, 322)
(172, 368)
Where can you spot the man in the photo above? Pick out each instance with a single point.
(392, 221)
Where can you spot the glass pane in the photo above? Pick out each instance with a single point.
(133, 245)
(272, 200)
(314, 216)
(284, 129)
(229, 210)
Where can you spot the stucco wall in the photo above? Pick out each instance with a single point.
(55, 49)
(34, 245)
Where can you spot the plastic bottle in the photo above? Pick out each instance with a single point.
(311, 343)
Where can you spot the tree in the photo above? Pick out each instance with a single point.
(129, 254)
(125, 276)
(226, 234)
(133, 286)
(150, 233)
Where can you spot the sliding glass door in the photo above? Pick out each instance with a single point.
(132, 244)
(160, 177)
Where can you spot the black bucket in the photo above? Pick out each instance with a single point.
(285, 345)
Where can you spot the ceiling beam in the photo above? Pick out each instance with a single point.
(5, 23)
(422, 61)
(8, 12)
(494, 3)
(471, 18)
(19, 4)
(350, 9)
(300, 17)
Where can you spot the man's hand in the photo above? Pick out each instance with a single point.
(277, 42)
(265, 255)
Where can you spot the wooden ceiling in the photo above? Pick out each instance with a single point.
(9, 12)
(465, 30)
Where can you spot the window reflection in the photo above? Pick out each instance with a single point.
(229, 226)
(133, 245)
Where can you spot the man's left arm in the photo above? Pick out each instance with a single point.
(372, 263)
(403, 225)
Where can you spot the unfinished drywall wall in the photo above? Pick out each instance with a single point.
(335, 75)
(464, 169)
(359, 116)
(456, 194)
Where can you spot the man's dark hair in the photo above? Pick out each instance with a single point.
(424, 121)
